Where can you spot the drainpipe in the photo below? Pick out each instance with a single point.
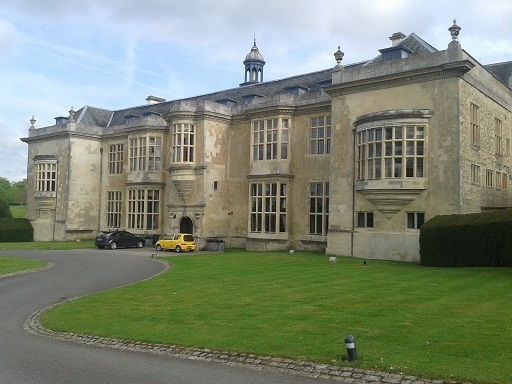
(353, 191)
(459, 203)
(56, 200)
(101, 188)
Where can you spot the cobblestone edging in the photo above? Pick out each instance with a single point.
(47, 266)
(339, 374)
(334, 373)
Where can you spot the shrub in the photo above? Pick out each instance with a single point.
(15, 230)
(479, 239)
(5, 211)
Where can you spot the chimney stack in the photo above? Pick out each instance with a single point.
(396, 38)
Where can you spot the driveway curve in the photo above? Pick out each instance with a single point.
(29, 358)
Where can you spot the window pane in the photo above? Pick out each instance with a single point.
(360, 219)
(410, 220)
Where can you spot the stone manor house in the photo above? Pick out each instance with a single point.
(350, 160)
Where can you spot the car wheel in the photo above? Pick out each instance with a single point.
(140, 244)
(101, 246)
(178, 249)
(113, 245)
(158, 247)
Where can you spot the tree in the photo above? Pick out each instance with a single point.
(5, 188)
(19, 192)
(13, 193)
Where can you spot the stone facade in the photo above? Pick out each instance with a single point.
(349, 160)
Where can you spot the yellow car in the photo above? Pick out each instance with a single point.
(177, 241)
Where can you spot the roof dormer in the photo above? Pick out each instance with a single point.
(397, 50)
(296, 90)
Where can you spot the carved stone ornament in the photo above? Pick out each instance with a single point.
(338, 55)
(454, 30)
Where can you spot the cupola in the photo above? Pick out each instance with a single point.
(254, 63)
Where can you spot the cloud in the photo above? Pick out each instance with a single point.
(10, 39)
(55, 54)
(14, 161)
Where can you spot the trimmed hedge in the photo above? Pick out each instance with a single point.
(471, 240)
(15, 230)
(5, 211)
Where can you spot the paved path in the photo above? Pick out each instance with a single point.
(28, 357)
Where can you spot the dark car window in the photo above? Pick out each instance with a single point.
(188, 238)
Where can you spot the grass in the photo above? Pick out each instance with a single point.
(14, 264)
(434, 322)
(18, 211)
(45, 245)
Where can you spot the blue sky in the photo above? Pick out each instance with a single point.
(112, 54)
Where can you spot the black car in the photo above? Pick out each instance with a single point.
(118, 239)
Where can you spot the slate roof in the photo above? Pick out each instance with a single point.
(502, 71)
(93, 116)
(311, 82)
(414, 43)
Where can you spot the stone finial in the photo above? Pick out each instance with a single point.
(454, 30)
(71, 115)
(338, 55)
(32, 123)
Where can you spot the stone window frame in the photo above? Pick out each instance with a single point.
(270, 138)
(414, 220)
(268, 202)
(145, 153)
(318, 208)
(383, 151)
(475, 174)
(183, 143)
(384, 141)
(498, 180)
(115, 158)
(501, 181)
(489, 178)
(474, 124)
(143, 211)
(46, 175)
(498, 137)
(365, 219)
(320, 130)
(114, 209)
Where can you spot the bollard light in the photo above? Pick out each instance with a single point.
(350, 344)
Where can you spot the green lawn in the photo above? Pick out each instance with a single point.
(18, 211)
(14, 264)
(42, 245)
(436, 322)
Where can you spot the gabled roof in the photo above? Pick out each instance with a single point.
(93, 116)
(413, 43)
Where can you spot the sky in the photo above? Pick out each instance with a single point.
(113, 54)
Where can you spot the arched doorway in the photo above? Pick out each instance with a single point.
(186, 225)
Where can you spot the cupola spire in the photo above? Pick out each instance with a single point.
(254, 63)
